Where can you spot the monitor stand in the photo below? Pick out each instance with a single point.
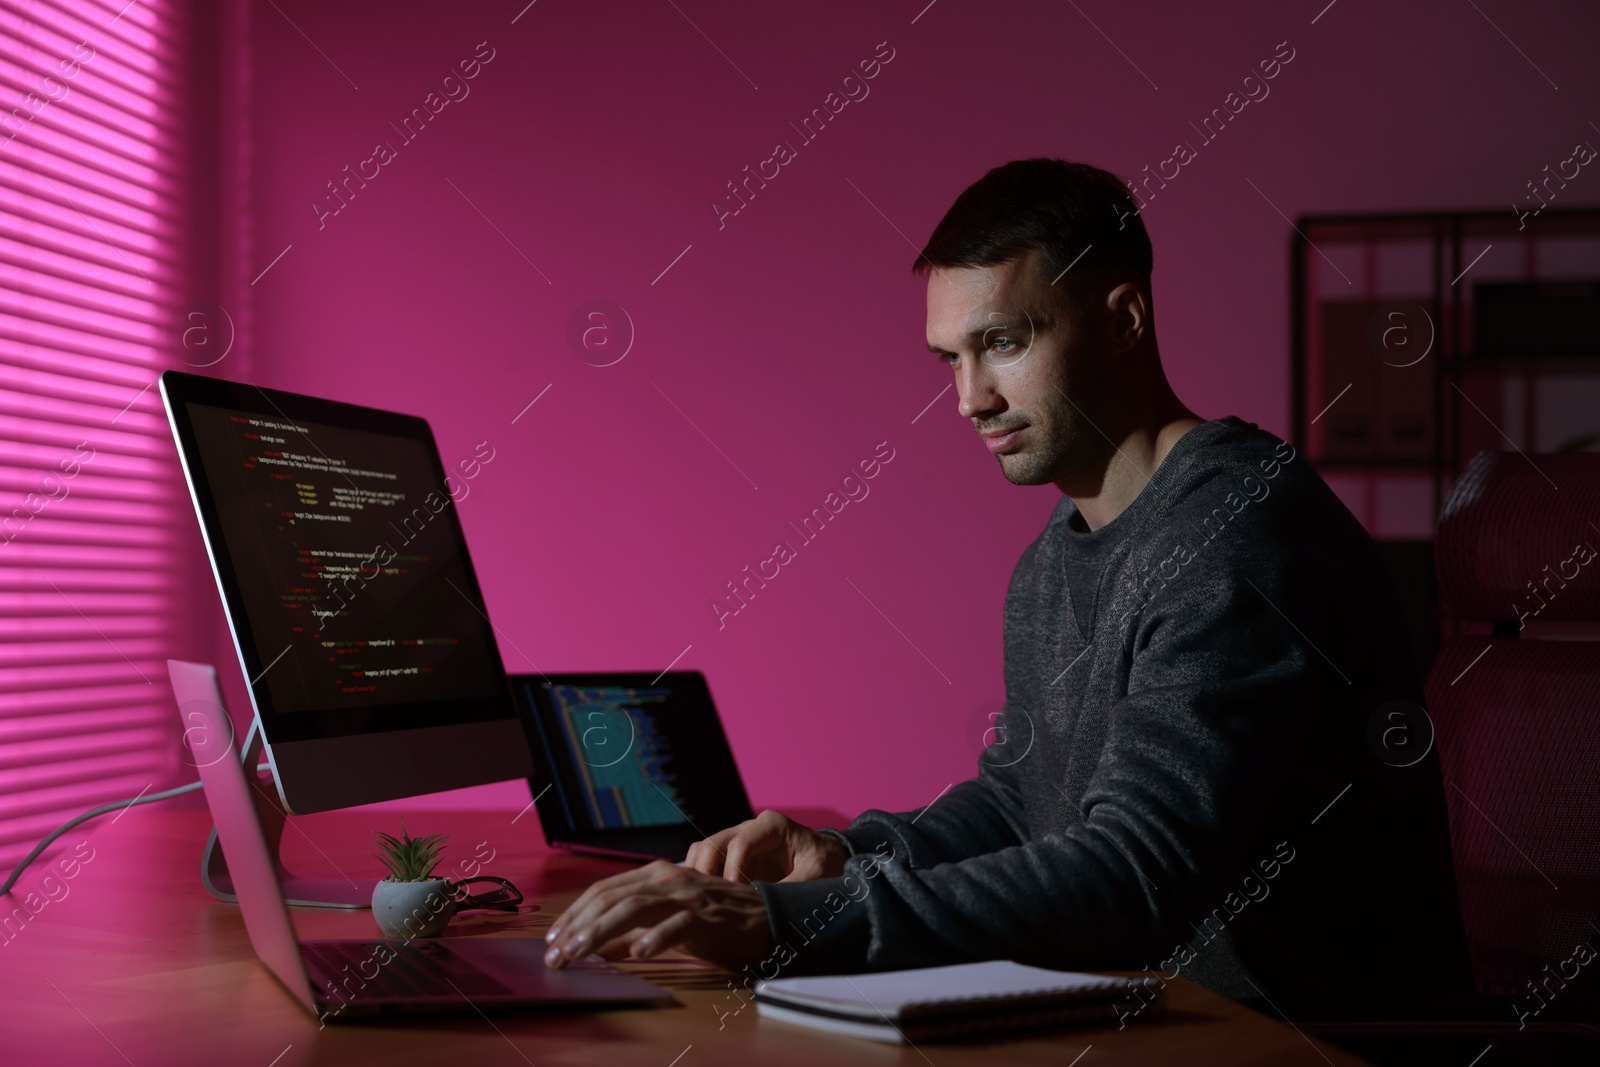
(297, 890)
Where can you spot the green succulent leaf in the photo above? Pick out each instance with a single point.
(407, 858)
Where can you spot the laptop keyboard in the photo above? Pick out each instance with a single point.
(413, 971)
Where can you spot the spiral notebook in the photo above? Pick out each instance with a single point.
(955, 1001)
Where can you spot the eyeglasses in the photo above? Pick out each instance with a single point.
(505, 897)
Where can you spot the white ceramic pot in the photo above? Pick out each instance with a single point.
(412, 909)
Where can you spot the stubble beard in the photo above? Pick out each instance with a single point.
(1072, 443)
(1042, 460)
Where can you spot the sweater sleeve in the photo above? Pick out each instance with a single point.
(1226, 668)
(982, 814)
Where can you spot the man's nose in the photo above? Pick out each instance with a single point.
(979, 400)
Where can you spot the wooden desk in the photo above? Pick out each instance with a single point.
(135, 963)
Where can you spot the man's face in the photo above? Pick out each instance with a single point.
(1027, 369)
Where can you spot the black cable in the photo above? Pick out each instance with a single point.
(101, 810)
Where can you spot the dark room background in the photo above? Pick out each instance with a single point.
(536, 225)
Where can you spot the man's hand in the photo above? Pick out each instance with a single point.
(769, 848)
(659, 906)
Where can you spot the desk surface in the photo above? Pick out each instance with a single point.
(133, 962)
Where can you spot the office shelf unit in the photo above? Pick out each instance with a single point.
(1419, 340)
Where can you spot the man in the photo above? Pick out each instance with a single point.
(1199, 651)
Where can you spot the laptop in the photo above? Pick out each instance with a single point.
(629, 765)
(337, 980)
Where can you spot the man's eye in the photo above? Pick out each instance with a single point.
(948, 358)
(1003, 341)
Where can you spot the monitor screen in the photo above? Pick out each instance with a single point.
(340, 556)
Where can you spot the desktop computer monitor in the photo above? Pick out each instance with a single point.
(355, 613)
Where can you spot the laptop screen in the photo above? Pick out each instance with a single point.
(620, 755)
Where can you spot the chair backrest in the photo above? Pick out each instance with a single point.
(1517, 722)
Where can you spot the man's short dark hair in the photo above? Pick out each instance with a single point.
(1058, 207)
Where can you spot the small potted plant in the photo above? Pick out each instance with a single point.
(411, 901)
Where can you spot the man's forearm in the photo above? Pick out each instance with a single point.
(1065, 898)
(970, 819)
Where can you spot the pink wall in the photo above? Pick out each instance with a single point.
(597, 139)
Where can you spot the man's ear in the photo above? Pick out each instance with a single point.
(1129, 310)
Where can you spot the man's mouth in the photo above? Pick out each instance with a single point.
(1002, 441)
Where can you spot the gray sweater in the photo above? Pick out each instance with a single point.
(1192, 773)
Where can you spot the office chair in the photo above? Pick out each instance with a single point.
(1516, 715)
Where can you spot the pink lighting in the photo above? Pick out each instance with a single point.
(775, 332)
(655, 274)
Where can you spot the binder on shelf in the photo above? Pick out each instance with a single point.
(1386, 410)
(1349, 400)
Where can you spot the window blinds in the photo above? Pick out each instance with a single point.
(92, 147)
